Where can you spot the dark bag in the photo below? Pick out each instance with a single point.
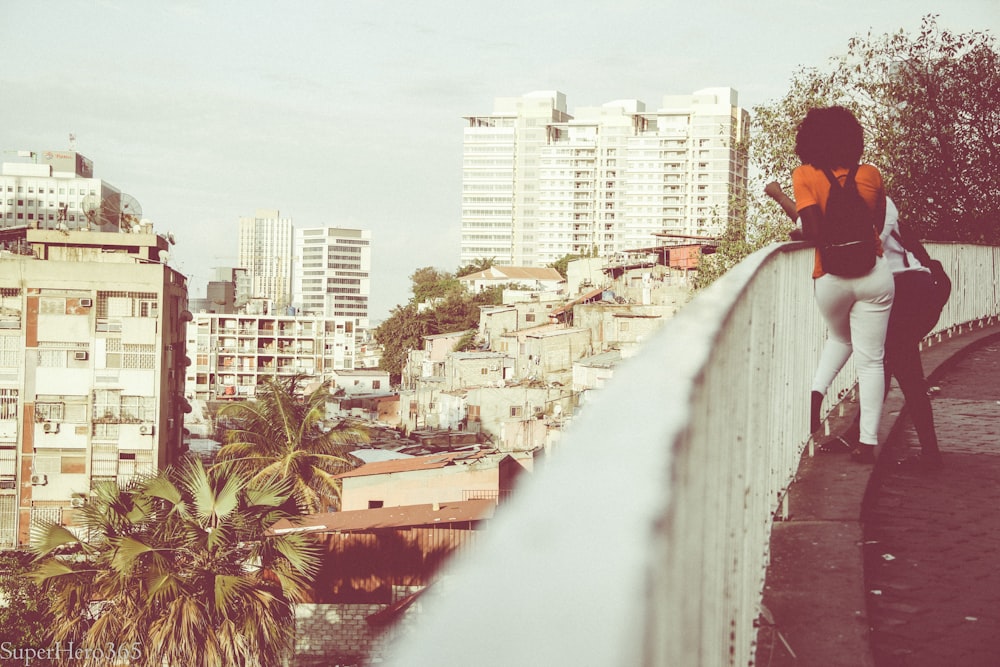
(847, 234)
(941, 290)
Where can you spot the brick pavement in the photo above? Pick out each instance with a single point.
(932, 538)
(894, 567)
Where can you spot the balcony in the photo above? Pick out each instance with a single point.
(646, 538)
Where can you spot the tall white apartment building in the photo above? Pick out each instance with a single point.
(265, 250)
(500, 169)
(331, 274)
(617, 177)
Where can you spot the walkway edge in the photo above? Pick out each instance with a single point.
(814, 595)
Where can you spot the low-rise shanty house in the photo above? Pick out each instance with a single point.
(623, 327)
(547, 353)
(364, 553)
(592, 372)
(564, 313)
(435, 478)
(381, 408)
(495, 321)
(475, 369)
(520, 418)
(363, 381)
(429, 362)
(529, 277)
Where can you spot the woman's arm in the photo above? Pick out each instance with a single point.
(774, 191)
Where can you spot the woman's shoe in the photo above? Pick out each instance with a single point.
(837, 445)
(863, 454)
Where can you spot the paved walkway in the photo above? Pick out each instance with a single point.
(891, 566)
(932, 539)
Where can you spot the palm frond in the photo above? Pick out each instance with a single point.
(48, 536)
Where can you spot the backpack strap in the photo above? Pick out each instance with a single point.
(851, 175)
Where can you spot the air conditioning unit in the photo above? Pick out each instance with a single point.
(146, 429)
(86, 303)
(50, 427)
(39, 480)
(80, 355)
(77, 503)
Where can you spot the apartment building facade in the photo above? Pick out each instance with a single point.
(235, 353)
(92, 363)
(539, 184)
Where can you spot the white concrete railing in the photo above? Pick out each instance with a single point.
(644, 541)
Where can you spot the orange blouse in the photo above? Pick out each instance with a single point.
(812, 188)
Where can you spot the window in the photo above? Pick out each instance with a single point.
(375, 504)
(49, 411)
(8, 403)
(515, 411)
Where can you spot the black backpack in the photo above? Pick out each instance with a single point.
(847, 232)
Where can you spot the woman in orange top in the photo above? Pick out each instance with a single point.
(856, 310)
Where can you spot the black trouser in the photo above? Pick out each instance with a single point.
(912, 319)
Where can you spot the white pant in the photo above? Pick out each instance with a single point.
(856, 311)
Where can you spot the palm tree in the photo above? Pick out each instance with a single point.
(283, 436)
(177, 569)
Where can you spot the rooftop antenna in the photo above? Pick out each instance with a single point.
(72, 141)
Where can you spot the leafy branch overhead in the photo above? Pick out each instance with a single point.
(930, 106)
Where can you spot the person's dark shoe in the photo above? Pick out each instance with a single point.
(863, 454)
(837, 445)
(815, 407)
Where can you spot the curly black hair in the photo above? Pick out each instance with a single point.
(830, 137)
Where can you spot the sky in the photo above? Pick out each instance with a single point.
(350, 114)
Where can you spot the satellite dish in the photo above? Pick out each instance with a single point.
(129, 213)
(91, 207)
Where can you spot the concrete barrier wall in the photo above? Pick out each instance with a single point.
(644, 540)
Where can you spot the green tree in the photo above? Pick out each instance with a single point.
(399, 333)
(930, 106)
(430, 284)
(24, 608)
(281, 435)
(454, 309)
(475, 266)
(178, 569)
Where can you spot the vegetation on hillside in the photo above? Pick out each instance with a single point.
(930, 106)
(439, 305)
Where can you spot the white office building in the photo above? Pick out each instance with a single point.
(539, 184)
(265, 250)
(331, 275)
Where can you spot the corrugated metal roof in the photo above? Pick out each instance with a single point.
(428, 462)
(583, 298)
(515, 272)
(390, 517)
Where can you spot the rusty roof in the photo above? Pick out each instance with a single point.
(428, 462)
(390, 517)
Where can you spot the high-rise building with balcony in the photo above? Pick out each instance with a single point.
(331, 274)
(92, 355)
(539, 184)
(265, 250)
